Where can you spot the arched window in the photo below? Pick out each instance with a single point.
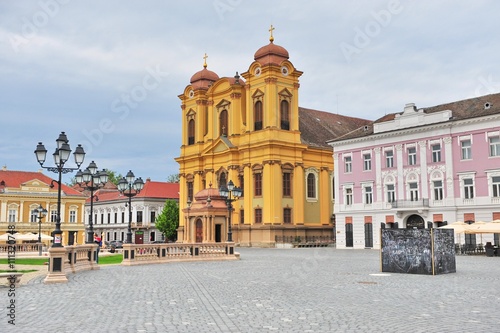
(311, 185)
(191, 132)
(223, 123)
(222, 180)
(257, 115)
(285, 115)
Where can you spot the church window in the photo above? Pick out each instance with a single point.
(191, 132)
(311, 186)
(258, 116)
(223, 123)
(258, 184)
(285, 115)
(287, 184)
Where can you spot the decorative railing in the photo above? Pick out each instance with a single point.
(410, 203)
(21, 247)
(308, 241)
(134, 254)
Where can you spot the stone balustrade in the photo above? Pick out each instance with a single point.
(137, 254)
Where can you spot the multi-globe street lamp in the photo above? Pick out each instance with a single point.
(61, 156)
(91, 180)
(42, 212)
(130, 187)
(231, 193)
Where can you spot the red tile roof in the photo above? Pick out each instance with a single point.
(152, 189)
(14, 179)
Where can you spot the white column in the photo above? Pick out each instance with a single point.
(423, 170)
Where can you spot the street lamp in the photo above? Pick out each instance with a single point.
(125, 186)
(231, 193)
(91, 180)
(42, 212)
(61, 156)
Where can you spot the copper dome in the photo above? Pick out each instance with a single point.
(203, 78)
(271, 54)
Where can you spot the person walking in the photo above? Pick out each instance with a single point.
(98, 241)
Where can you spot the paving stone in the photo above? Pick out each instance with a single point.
(268, 290)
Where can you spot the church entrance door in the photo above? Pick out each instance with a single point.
(199, 231)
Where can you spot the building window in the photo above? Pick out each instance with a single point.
(242, 216)
(12, 215)
(123, 219)
(391, 193)
(348, 196)
(190, 190)
(223, 123)
(53, 216)
(33, 215)
(116, 218)
(258, 184)
(389, 159)
(311, 186)
(258, 215)
(109, 218)
(413, 191)
(367, 162)
(496, 186)
(191, 132)
(285, 115)
(258, 116)
(412, 156)
(348, 164)
(287, 184)
(494, 146)
(468, 188)
(436, 153)
(241, 178)
(368, 195)
(438, 190)
(72, 216)
(152, 217)
(466, 149)
(287, 215)
(102, 218)
(139, 216)
(368, 235)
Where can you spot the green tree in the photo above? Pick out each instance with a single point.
(168, 220)
(173, 178)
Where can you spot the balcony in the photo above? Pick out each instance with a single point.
(422, 203)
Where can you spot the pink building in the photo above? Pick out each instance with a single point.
(419, 169)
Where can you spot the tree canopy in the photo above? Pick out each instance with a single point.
(167, 221)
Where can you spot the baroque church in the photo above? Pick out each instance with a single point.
(248, 130)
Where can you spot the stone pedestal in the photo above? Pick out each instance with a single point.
(56, 266)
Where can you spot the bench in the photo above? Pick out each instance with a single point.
(9, 275)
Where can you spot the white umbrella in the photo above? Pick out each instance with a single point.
(492, 227)
(459, 227)
(8, 236)
(43, 237)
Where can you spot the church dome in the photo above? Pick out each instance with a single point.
(203, 79)
(271, 54)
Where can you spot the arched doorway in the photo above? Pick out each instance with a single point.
(199, 231)
(415, 221)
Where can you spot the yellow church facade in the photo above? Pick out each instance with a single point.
(247, 129)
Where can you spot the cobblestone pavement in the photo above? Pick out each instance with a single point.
(281, 290)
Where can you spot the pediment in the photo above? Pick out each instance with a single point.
(35, 185)
(220, 145)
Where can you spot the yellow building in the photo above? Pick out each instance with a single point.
(250, 129)
(21, 192)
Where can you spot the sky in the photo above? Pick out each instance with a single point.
(108, 73)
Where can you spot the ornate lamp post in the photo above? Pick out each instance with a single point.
(231, 193)
(125, 186)
(61, 156)
(91, 180)
(42, 212)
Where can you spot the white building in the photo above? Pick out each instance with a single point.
(419, 169)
